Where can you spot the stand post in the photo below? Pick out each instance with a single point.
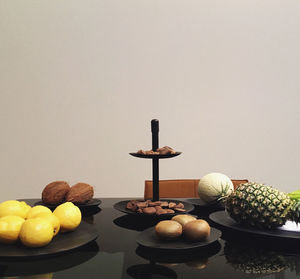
(155, 162)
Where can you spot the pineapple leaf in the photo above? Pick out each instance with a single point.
(294, 195)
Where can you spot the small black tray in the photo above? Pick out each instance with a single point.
(121, 206)
(149, 239)
(152, 156)
(92, 203)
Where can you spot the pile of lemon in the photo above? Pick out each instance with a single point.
(35, 226)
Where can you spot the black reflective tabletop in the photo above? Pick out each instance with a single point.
(116, 254)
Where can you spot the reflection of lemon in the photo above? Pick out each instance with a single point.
(33, 211)
(50, 217)
(36, 232)
(12, 207)
(39, 276)
(10, 227)
(69, 216)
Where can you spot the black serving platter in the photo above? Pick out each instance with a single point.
(149, 239)
(197, 202)
(92, 203)
(63, 242)
(153, 156)
(121, 206)
(223, 219)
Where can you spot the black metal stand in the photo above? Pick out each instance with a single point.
(155, 161)
(155, 158)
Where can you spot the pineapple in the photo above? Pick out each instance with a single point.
(262, 206)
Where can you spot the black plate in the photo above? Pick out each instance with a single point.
(63, 242)
(197, 202)
(159, 156)
(92, 203)
(224, 220)
(121, 206)
(148, 239)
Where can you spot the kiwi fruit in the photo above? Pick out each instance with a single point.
(197, 230)
(168, 230)
(183, 218)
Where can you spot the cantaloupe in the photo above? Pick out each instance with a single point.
(214, 187)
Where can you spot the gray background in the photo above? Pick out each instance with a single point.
(80, 82)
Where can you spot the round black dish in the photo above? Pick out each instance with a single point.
(92, 203)
(121, 206)
(63, 242)
(148, 239)
(222, 219)
(152, 156)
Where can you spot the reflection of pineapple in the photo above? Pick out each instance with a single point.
(253, 260)
(261, 206)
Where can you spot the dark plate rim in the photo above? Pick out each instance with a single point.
(33, 253)
(152, 156)
(201, 204)
(92, 203)
(118, 207)
(214, 236)
(223, 219)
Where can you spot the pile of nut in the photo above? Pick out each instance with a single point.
(158, 207)
(159, 151)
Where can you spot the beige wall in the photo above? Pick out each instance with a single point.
(80, 82)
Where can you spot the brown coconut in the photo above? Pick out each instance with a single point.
(55, 192)
(80, 193)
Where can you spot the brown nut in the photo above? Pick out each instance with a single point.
(161, 211)
(179, 209)
(134, 201)
(172, 204)
(55, 192)
(170, 211)
(80, 193)
(156, 203)
(131, 206)
(164, 204)
(149, 210)
(180, 205)
(142, 204)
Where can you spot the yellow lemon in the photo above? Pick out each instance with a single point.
(12, 207)
(26, 207)
(39, 276)
(36, 232)
(69, 216)
(33, 211)
(52, 219)
(10, 227)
